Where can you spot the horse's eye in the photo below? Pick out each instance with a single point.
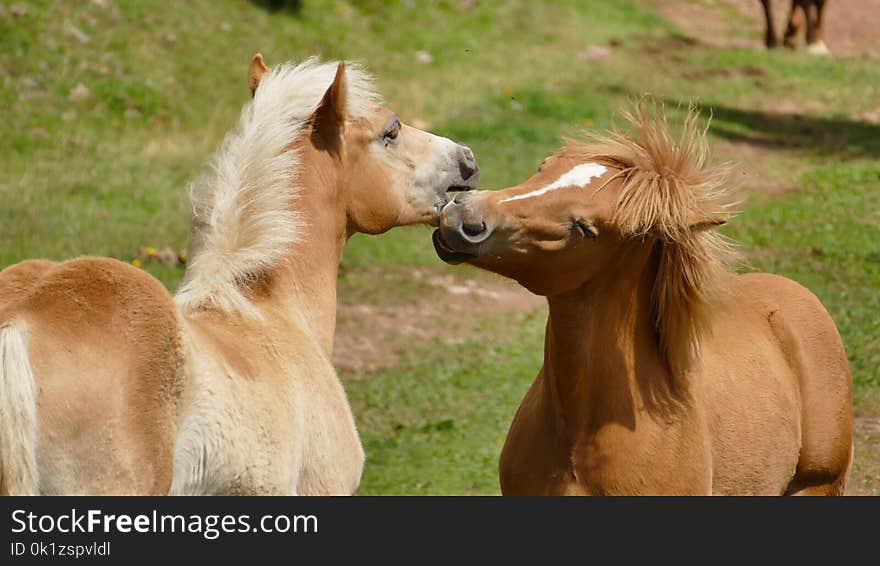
(586, 229)
(392, 132)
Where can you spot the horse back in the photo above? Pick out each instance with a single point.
(104, 343)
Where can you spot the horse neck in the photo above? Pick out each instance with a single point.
(602, 361)
(303, 287)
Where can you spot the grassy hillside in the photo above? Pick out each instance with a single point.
(111, 106)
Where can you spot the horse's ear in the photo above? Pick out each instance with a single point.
(328, 123)
(256, 71)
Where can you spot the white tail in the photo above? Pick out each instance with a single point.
(18, 416)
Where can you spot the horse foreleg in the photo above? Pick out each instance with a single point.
(770, 35)
(796, 17)
(815, 43)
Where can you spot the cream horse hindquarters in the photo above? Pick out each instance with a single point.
(664, 372)
(108, 384)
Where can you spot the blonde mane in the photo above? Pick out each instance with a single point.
(670, 197)
(244, 214)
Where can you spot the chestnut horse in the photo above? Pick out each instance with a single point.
(664, 372)
(110, 385)
(811, 12)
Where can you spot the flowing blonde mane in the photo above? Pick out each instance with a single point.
(244, 214)
(670, 197)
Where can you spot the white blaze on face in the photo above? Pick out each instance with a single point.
(578, 176)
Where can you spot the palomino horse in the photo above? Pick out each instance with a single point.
(110, 385)
(664, 372)
(810, 11)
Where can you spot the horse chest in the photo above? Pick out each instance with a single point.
(536, 458)
(540, 456)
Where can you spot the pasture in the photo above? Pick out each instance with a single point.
(112, 106)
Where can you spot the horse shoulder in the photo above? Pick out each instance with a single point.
(233, 410)
(815, 352)
(333, 456)
(263, 412)
(775, 362)
(794, 314)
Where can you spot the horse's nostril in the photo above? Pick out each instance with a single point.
(467, 165)
(472, 230)
(459, 198)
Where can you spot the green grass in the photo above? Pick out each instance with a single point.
(435, 424)
(107, 174)
(163, 91)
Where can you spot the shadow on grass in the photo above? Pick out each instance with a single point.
(274, 6)
(839, 137)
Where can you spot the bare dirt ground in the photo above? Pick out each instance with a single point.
(372, 337)
(852, 27)
(864, 479)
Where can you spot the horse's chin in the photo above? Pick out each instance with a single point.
(446, 253)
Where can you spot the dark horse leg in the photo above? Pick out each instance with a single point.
(799, 13)
(770, 36)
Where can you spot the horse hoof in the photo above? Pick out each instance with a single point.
(818, 48)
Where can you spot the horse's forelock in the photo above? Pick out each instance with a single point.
(666, 185)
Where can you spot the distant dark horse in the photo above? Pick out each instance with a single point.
(809, 11)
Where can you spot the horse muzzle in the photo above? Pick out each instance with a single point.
(461, 231)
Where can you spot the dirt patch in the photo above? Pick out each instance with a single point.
(851, 28)
(371, 337)
(864, 478)
(705, 21)
(745, 70)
